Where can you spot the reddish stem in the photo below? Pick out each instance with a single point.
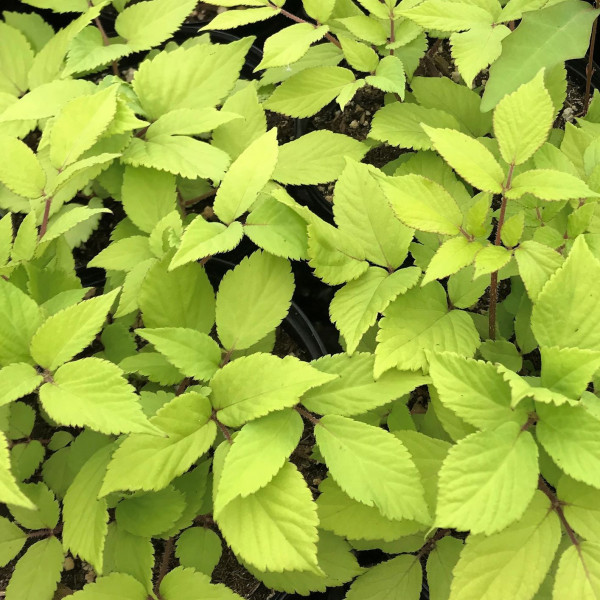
(308, 416)
(164, 564)
(589, 70)
(222, 427)
(44, 225)
(105, 40)
(557, 508)
(392, 32)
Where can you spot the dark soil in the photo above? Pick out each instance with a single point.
(286, 126)
(573, 106)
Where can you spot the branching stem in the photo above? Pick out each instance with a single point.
(308, 416)
(557, 508)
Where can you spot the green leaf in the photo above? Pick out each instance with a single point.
(268, 286)
(316, 157)
(20, 317)
(128, 554)
(85, 516)
(10, 493)
(419, 321)
(149, 462)
(568, 370)
(474, 390)
(578, 574)
(189, 121)
(422, 203)
(357, 521)
(149, 514)
(469, 158)
(195, 354)
(230, 19)
(356, 391)
(12, 539)
(123, 255)
(17, 380)
(537, 263)
(573, 284)
(68, 332)
(476, 49)
(188, 584)
(581, 508)
(570, 435)
(257, 454)
(355, 307)
(512, 231)
(180, 298)
(252, 386)
(548, 184)
(487, 480)
(196, 77)
(369, 30)
(199, 549)
(389, 76)
(522, 121)
(495, 566)
(93, 393)
(440, 565)
(502, 352)
(152, 23)
(26, 458)
(275, 528)
(543, 39)
(20, 421)
(46, 512)
(16, 58)
(397, 579)
(399, 124)
(246, 178)
(308, 91)
(290, 44)
(80, 124)
(38, 571)
(490, 259)
(362, 211)
(148, 196)
(434, 14)
(453, 255)
(360, 56)
(354, 451)
(179, 155)
(116, 586)
(21, 172)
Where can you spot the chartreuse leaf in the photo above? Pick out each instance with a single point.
(537, 263)
(128, 554)
(432, 14)
(422, 203)
(452, 256)
(419, 321)
(290, 44)
(21, 419)
(180, 298)
(46, 512)
(491, 258)
(512, 563)
(199, 549)
(123, 255)
(204, 238)
(356, 391)
(389, 76)
(12, 539)
(487, 480)
(575, 283)
(80, 124)
(307, 92)
(353, 452)
(195, 77)
(93, 393)
(355, 307)
(10, 493)
(195, 354)
(549, 184)
(246, 177)
(148, 462)
(570, 435)
(268, 286)
(38, 571)
(578, 574)
(26, 239)
(188, 584)
(469, 158)
(252, 386)
(189, 121)
(20, 317)
(335, 559)
(316, 157)
(21, 171)
(16, 58)
(235, 18)
(148, 514)
(17, 380)
(360, 56)
(568, 370)
(26, 458)
(116, 586)
(68, 332)
(356, 521)
(258, 452)
(151, 23)
(440, 565)
(33, 27)
(85, 516)
(148, 196)
(361, 209)
(502, 352)
(400, 578)
(522, 121)
(543, 39)
(474, 390)
(581, 507)
(274, 528)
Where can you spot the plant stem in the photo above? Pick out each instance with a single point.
(494, 277)
(293, 17)
(308, 416)
(44, 225)
(45, 532)
(105, 40)
(222, 427)
(164, 563)
(392, 32)
(589, 70)
(557, 508)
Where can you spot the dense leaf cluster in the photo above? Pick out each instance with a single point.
(458, 431)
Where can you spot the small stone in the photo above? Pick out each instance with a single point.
(317, 480)
(368, 113)
(455, 76)
(353, 124)
(69, 564)
(568, 114)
